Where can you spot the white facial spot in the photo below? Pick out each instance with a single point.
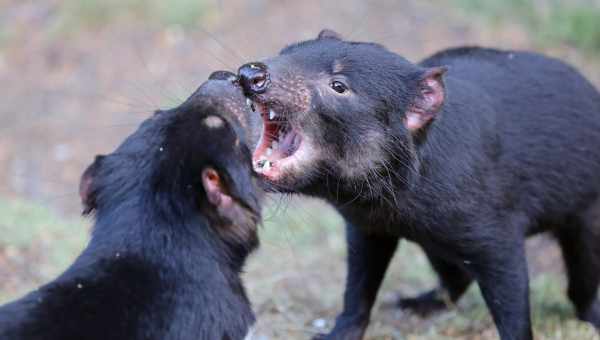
(214, 122)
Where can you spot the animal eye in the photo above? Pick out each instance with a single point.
(338, 87)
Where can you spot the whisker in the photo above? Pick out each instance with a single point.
(221, 44)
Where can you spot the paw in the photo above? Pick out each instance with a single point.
(426, 303)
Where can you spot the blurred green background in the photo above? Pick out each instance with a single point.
(78, 76)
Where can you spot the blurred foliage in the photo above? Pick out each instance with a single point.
(572, 22)
(301, 220)
(21, 222)
(36, 240)
(76, 14)
(4, 37)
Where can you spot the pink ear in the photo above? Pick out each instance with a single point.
(428, 101)
(215, 191)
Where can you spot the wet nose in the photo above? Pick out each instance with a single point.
(254, 78)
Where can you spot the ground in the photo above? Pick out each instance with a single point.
(78, 78)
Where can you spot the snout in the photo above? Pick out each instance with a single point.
(222, 95)
(254, 78)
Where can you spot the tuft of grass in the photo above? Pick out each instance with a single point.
(575, 23)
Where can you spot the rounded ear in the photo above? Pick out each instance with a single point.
(232, 221)
(216, 193)
(428, 100)
(87, 186)
(329, 34)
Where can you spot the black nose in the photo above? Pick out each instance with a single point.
(254, 77)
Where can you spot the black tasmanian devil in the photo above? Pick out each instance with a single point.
(176, 209)
(466, 153)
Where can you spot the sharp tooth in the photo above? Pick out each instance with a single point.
(248, 102)
(267, 166)
(272, 115)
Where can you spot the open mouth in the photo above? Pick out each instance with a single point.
(278, 143)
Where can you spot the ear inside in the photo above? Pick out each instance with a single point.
(233, 222)
(428, 101)
(86, 186)
(329, 34)
(216, 192)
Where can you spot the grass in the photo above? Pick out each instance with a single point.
(5, 36)
(35, 245)
(296, 277)
(575, 23)
(77, 14)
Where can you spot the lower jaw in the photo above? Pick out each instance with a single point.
(272, 174)
(273, 166)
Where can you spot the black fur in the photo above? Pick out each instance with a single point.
(157, 265)
(513, 151)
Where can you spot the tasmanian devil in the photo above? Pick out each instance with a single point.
(176, 209)
(466, 153)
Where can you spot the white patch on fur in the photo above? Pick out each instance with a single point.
(214, 122)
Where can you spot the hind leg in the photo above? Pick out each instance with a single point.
(454, 281)
(580, 245)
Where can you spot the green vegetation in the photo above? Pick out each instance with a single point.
(4, 36)
(551, 21)
(305, 223)
(35, 242)
(73, 15)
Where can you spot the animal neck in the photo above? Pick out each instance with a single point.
(187, 276)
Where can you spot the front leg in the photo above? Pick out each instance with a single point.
(501, 272)
(368, 258)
